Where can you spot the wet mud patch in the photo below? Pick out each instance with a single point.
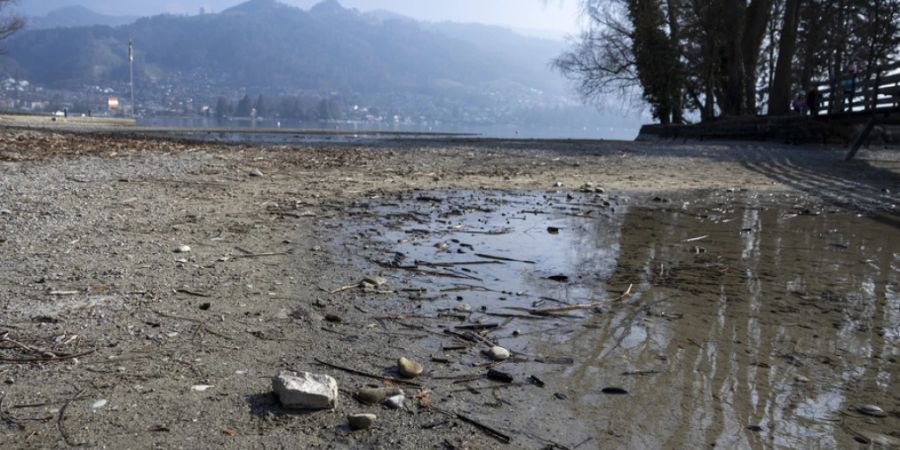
(726, 318)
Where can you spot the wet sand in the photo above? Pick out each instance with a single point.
(762, 309)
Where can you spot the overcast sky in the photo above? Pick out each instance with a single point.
(559, 16)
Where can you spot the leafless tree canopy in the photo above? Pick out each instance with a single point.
(9, 24)
(727, 57)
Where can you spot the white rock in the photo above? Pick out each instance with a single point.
(871, 410)
(395, 402)
(498, 353)
(305, 390)
(255, 173)
(201, 388)
(182, 249)
(98, 404)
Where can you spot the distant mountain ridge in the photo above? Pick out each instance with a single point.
(76, 16)
(262, 44)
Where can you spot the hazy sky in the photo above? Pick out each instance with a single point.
(560, 16)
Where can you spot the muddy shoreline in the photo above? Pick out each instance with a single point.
(794, 287)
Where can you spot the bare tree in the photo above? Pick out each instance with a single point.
(9, 24)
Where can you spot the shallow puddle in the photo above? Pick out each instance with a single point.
(723, 320)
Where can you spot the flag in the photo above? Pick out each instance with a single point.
(130, 49)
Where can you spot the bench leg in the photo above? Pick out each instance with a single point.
(860, 139)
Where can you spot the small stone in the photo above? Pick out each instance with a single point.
(614, 391)
(497, 375)
(409, 368)
(255, 173)
(517, 332)
(464, 307)
(801, 379)
(375, 281)
(182, 249)
(98, 404)
(305, 390)
(372, 396)
(558, 184)
(498, 353)
(361, 421)
(871, 410)
(395, 402)
(201, 388)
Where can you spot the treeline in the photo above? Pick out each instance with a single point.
(728, 57)
(306, 108)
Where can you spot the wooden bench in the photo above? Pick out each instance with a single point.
(875, 98)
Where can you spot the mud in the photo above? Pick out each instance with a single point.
(750, 322)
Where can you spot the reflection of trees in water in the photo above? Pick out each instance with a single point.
(774, 296)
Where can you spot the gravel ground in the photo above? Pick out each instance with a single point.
(96, 305)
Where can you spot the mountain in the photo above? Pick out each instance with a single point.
(264, 44)
(76, 16)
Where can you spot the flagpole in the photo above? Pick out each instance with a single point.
(131, 72)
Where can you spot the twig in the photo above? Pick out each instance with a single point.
(59, 421)
(454, 264)
(189, 292)
(260, 255)
(501, 258)
(492, 432)
(343, 288)
(29, 348)
(478, 327)
(367, 374)
(43, 360)
(560, 309)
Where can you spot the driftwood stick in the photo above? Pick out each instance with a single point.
(62, 415)
(367, 374)
(568, 308)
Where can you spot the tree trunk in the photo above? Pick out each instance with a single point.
(754, 31)
(673, 9)
(780, 101)
(732, 100)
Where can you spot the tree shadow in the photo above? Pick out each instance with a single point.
(857, 185)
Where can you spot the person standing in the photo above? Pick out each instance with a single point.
(812, 101)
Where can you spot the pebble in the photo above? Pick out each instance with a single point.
(182, 249)
(409, 368)
(614, 391)
(395, 402)
(801, 379)
(371, 396)
(201, 388)
(375, 281)
(98, 404)
(871, 410)
(361, 421)
(498, 353)
(255, 173)
(497, 375)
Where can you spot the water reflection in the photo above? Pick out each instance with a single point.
(751, 325)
